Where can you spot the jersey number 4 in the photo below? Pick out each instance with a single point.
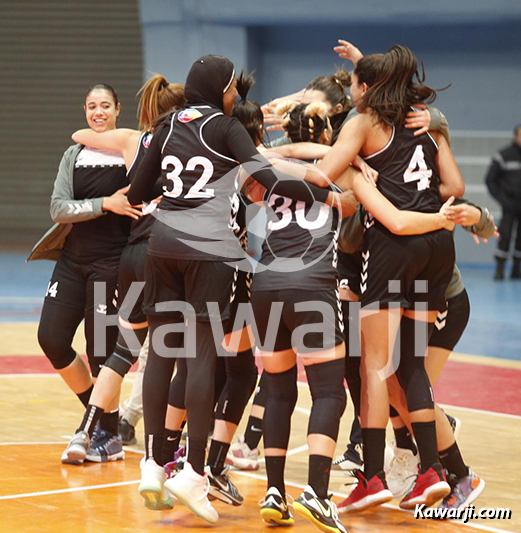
(417, 170)
(197, 189)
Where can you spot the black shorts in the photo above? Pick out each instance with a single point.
(349, 268)
(406, 269)
(73, 285)
(308, 339)
(242, 287)
(451, 323)
(131, 270)
(207, 286)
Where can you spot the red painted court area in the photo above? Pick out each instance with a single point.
(476, 386)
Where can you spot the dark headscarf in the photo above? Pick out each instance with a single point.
(208, 79)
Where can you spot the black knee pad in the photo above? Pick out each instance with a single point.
(261, 393)
(176, 397)
(282, 398)
(241, 379)
(126, 354)
(411, 372)
(59, 351)
(326, 383)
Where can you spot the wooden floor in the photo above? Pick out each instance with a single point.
(39, 494)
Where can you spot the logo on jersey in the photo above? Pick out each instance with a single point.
(187, 115)
(147, 139)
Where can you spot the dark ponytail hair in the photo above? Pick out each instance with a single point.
(334, 88)
(247, 111)
(105, 87)
(392, 89)
(303, 122)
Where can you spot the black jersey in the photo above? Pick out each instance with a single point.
(99, 242)
(300, 248)
(141, 228)
(408, 176)
(199, 185)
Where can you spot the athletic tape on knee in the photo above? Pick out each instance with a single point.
(125, 356)
(282, 398)
(411, 372)
(326, 384)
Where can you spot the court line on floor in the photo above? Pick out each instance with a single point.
(73, 489)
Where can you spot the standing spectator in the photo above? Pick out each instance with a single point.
(504, 184)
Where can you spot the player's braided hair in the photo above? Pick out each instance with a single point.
(303, 122)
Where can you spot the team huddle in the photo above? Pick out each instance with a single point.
(356, 277)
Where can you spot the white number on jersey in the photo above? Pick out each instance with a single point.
(52, 290)
(197, 189)
(417, 170)
(300, 215)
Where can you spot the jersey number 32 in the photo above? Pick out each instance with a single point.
(197, 190)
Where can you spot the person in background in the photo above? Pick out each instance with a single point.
(504, 184)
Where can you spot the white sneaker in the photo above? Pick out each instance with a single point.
(191, 488)
(241, 457)
(402, 471)
(76, 450)
(152, 487)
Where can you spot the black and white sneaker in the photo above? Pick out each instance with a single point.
(321, 512)
(105, 447)
(275, 510)
(221, 487)
(350, 460)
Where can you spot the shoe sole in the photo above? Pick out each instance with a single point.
(429, 497)
(153, 500)
(184, 497)
(273, 516)
(75, 455)
(346, 465)
(223, 497)
(99, 459)
(374, 500)
(303, 511)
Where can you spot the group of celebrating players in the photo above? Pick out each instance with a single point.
(151, 226)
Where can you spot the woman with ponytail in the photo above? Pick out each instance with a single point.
(158, 97)
(415, 173)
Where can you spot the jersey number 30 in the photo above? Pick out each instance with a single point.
(197, 189)
(417, 170)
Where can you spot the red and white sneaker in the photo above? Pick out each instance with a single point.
(241, 457)
(368, 493)
(430, 487)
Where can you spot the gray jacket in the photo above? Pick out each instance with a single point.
(65, 210)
